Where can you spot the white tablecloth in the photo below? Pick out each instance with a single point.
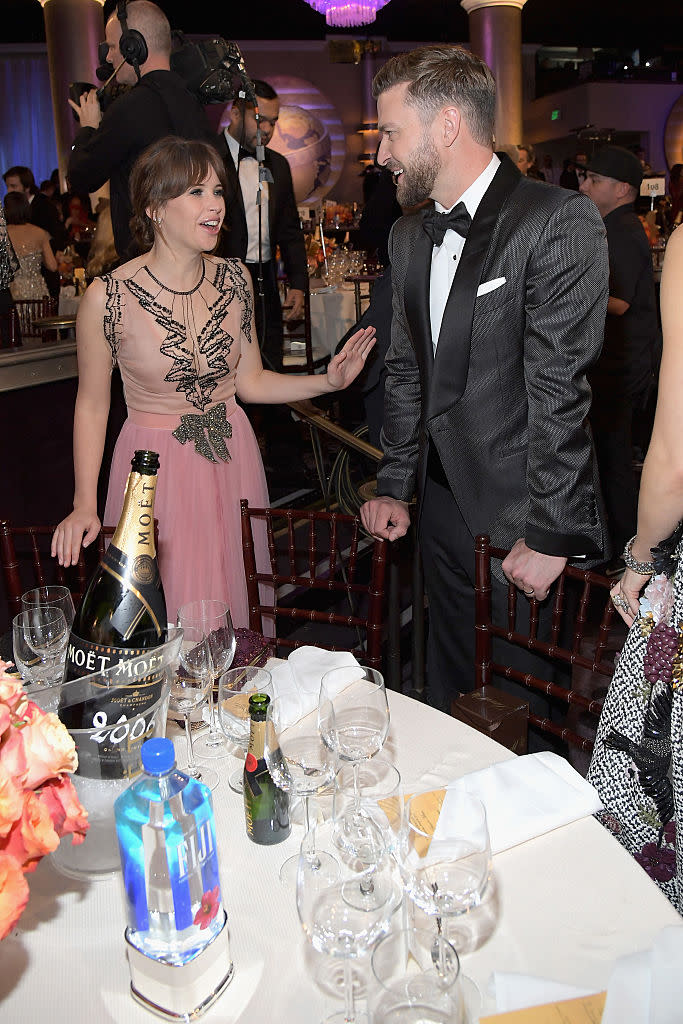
(571, 902)
(333, 313)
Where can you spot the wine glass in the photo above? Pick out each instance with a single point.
(190, 687)
(39, 638)
(214, 618)
(353, 718)
(415, 979)
(299, 763)
(444, 855)
(336, 924)
(60, 597)
(369, 831)
(234, 689)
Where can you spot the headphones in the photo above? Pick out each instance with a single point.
(132, 45)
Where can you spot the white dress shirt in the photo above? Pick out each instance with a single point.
(247, 172)
(445, 257)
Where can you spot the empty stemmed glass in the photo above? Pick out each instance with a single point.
(300, 763)
(190, 687)
(415, 979)
(444, 855)
(39, 638)
(353, 718)
(53, 595)
(369, 832)
(234, 689)
(339, 926)
(213, 617)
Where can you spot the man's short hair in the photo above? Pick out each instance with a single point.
(25, 176)
(441, 75)
(151, 22)
(264, 90)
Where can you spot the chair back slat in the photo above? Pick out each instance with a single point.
(319, 553)
(590, 635)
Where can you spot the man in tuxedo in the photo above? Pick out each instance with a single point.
(280, 223)
(499, 298)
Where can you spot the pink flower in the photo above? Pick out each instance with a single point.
(40, 750)
(11, 688)
(32, 836)
(11, 801)
(13, 893)
(66, 811)
(208, 908)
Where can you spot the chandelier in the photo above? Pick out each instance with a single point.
(341, 14)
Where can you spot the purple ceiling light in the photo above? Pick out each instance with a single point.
(347, 13)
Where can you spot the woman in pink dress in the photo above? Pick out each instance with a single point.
(180, 325)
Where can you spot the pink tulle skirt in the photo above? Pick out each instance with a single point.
(198, 509)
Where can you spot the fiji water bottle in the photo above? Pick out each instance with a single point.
(167, 842)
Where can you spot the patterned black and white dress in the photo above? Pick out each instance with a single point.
(637, 764)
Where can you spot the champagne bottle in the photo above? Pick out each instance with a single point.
(121, 617)
(266, 807)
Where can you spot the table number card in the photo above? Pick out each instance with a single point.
(584, 1010)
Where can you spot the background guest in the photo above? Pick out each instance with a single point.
(280, 224)
(624, 376)
(32, 247)
(9, 265)
(43, 214)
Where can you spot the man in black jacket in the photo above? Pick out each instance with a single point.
(159, 104)
(279, 215)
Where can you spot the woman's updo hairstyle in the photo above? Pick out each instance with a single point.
(165, 170)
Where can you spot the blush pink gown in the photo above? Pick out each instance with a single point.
(177, 353)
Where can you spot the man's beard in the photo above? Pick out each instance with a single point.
(416, 182)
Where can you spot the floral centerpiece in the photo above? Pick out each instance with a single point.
(38, 803)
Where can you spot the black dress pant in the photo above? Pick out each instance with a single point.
(611, 420)
(447, 547)
(268, 313)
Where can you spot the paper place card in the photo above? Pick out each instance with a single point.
(584, 1010)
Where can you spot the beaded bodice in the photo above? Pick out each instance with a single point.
(28, 282)
(177, 351)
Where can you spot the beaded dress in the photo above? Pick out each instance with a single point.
(178, 353)
(28, 282)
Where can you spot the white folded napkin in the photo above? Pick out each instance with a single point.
(519, 991)
(644, 988)
(526, 797)
(296, 682)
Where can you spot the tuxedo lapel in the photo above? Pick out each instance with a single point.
(416, 297)
(453, 351)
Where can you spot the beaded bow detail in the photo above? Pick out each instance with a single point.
(208, 432)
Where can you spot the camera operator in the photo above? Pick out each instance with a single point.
(159, 104)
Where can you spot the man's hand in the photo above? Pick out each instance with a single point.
(295, 298)
(532, 571)
(386, 518)
(88, 109)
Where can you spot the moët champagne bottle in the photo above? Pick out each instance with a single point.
(122, 615)
(266, 807)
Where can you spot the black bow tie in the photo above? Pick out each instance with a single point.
(437, 224)
(245, 154)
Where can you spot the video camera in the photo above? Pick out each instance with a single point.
(212, 69)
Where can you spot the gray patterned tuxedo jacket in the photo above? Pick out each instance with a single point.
(505, 399)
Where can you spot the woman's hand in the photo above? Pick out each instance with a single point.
(626, 593)
(81, 527)
(345, 367)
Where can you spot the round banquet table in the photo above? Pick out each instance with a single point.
(570, 903)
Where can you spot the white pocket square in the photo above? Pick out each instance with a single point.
(490, 286)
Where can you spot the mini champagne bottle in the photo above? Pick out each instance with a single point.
(266, 807)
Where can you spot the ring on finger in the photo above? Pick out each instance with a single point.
(527, 592)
